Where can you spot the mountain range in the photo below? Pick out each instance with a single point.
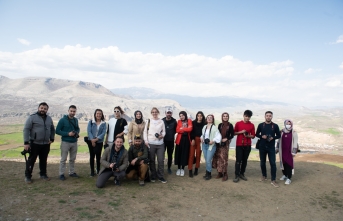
(20, 97)
(211, 102)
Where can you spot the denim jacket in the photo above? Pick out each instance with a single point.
(92, 128)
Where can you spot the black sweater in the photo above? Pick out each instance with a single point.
(268, 129)
(197, 129)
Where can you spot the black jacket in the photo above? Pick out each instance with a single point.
(170, 129)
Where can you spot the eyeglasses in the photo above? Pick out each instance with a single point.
(116, 111)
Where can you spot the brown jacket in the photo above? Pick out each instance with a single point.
(105, 160)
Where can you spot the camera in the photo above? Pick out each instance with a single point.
(115, 167)
(25, 151)
(269, 137)
(157, 135)
(246, 133)
(222, 144)
(207, 141)
(76, 134)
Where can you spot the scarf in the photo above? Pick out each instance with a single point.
(115, 156)
(225, 125)
(138, 121)
(285, 130)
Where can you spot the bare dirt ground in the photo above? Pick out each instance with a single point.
(316, 193)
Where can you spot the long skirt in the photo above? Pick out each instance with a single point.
(221, 158)
(182, 152)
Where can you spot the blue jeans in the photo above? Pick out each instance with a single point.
(208, 155)
(270, 151)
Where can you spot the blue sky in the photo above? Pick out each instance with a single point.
(266, 47)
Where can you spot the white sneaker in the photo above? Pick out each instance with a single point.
(182, 172)
(178, 172)
(288, 181)
(283, 177)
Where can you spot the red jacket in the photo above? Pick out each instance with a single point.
(180, 131)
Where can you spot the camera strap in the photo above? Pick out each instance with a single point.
(265, 124)
(147, 129)
(209, 134)
(74, 126)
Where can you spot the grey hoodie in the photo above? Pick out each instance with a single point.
(39, 130)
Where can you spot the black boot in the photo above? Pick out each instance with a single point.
(190, 173)
(205, 175)
(196, 172)
(208, 176)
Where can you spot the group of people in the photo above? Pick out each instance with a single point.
(150, 139)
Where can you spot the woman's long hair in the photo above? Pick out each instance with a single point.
(102, 114)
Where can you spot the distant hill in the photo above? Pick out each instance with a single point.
(20, 97)
(189, 101)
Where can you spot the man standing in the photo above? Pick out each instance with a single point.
(170, 125)
(138, 159)
(68, 128)
(114, 162)
(245, 131)
(268, 132)
(39, 133)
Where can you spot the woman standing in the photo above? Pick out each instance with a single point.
(183, 141)
(96, 130)
(287, 148)
(195, 149)
(117, 126)
(221, 157)
(210, 136)
(136, 127)
(154, 132)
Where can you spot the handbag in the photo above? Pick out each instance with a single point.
(257, 146)
(86, 139)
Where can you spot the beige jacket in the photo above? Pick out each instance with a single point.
(135, 129)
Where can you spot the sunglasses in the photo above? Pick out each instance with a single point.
(116, 111)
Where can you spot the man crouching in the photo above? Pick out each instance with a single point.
(114, 162)
(138, 159)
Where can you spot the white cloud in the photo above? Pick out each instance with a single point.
(333, 83)
(24, 41)
(312, 70)
(339, 40)
(341, 66)
(188, 74)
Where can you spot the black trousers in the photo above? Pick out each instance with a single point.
(287, 170)
(37, 150)
(169, 147)
(94, 152)
(242, 155)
